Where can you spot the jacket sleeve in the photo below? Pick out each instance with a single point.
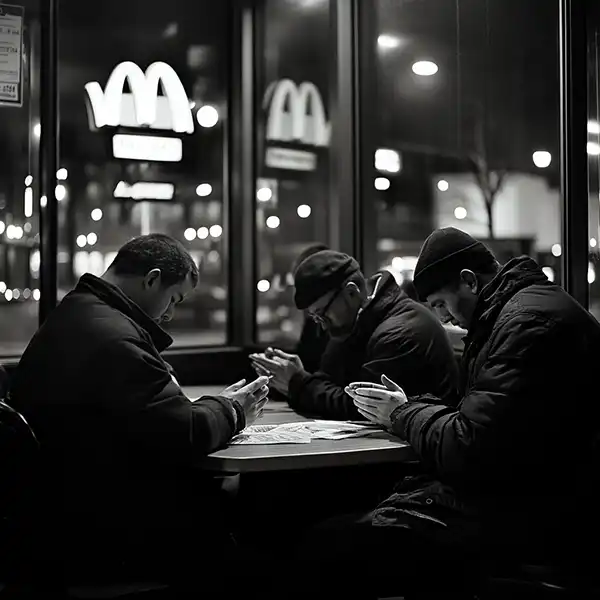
(158, 415)
(485, 437)
(318, 394)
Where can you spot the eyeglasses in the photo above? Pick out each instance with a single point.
(319, 317)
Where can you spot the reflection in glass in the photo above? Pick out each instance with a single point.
(292, 191)
(467, 130)
(142, 138)
(19, 174)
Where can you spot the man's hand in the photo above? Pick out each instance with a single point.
(252, 397)
(377, 402)
(278, 364)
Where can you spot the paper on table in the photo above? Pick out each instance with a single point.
(271, 434)
(341, 430)
(304, 432)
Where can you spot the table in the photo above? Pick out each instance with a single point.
(378, 448)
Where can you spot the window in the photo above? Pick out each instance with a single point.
(142, 142)
(292, 190)
(593, 150)
(465, 123)
(19, 162)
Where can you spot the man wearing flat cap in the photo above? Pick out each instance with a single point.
(512, 467)
(374, 328)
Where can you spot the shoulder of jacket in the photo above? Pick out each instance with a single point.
(414, 321)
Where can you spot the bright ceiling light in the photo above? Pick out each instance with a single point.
(443, 185)
(204, 189)
(189, 234)
(382, 184)
(60, 192)
(387, 160)
(388, 41)
(264, 194)
(304, 211)
(425, 68)
(556, 250)
(207, 116)
(216, 231)
(541, 159)
(593, 127)
(263, 286)
(460, 212)
(96, 214)
(62, 174)
(202, 233)
(273, 222)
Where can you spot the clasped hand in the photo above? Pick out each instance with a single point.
(376, 402)
(278, 365)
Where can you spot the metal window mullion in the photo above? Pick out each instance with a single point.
(241, 211)
(49, 112)
(345, 143)
(573, 141)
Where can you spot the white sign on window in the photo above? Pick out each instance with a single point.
(144, 190)
(295, 114)
(11, 58)
(147, 147)
(143, 107)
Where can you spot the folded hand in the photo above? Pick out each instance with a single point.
(377, 402)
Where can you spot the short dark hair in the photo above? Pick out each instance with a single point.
(308, 251)
(156, 251)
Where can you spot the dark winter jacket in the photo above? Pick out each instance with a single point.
(395, 336)
(517, 461)
(118, 435)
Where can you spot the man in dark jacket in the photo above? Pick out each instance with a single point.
(119, 437)
(374, 328)
(513, 468)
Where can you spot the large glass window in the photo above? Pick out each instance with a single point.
(19, 163)
(464, 115)
(143, 101)
(593, 150)
(292, 190)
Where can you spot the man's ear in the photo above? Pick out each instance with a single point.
(470, 280)
(152, 279)
(353, 288)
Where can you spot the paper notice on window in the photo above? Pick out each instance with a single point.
(11, 55)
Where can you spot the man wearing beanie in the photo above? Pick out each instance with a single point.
(374, 329)
(513, 465)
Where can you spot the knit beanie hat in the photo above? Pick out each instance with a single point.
(321, 273)
(444, 254)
